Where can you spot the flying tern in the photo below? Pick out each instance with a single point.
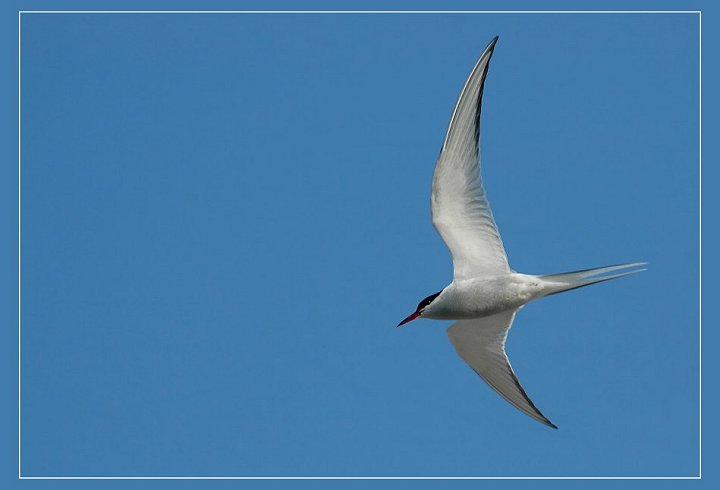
(485, 293)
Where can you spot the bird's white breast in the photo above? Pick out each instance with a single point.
(479, 297)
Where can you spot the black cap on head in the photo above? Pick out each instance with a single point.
(427, 301)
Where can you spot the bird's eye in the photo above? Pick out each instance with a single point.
(427, 301)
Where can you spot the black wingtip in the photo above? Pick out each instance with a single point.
(490, 47)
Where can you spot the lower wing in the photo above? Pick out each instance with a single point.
(481, 344)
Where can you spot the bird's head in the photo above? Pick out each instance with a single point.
(420, 308)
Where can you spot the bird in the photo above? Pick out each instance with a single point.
(485, 293)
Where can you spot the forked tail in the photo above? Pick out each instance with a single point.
(557, 283)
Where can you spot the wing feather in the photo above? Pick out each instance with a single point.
(481, 343)
(460, 210)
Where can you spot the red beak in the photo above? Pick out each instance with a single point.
(410, 318)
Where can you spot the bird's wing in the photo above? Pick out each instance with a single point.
(481, 344)
(460, 210)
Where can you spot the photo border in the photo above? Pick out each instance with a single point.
(360, 12)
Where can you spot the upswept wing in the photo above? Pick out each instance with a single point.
(460, 210)
(481, 344)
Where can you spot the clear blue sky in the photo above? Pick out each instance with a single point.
(224, 217)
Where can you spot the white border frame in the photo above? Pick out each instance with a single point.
(389, 12)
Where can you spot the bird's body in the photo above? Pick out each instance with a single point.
(485, 292)
(484, 296)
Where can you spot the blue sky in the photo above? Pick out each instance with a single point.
(224, 217)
